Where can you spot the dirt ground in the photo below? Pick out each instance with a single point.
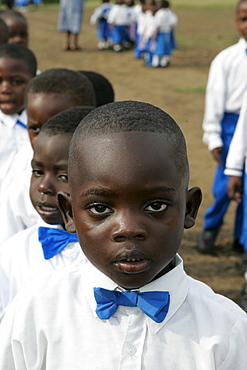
(179, 89)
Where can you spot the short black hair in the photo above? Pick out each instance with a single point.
(238, 5)
(65, 122)
(63, 81)
(4, 32)
(130, 116)
(20, 52)
(102, 87)
(10, 13)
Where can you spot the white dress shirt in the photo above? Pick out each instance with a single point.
(16, 210)
(12, 137)
(237, 154)
(52, 324)
(164, 20)
(118, 15)
(227, 83)
(21, 259)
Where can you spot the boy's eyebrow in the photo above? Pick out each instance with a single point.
(101, 191)
(56, 166)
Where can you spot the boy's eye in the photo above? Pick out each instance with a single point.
(156, 206)
(244, 19)
(34, 129)
(99, 209)
(17, 82)
(64, 178)
(37, 173)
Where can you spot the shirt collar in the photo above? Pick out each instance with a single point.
(175, 281)
(243, 43)
(10, 120)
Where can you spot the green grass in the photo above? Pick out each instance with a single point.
(190, 89)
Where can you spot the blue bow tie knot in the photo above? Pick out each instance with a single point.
(154, 304)
(54, 240)
(18, 122)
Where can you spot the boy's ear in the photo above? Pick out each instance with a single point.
(64, 205)
(194, 199)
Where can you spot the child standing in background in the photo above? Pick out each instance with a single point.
(47, 94)
(46, 245)
(99, 18)
(17, 25)
(236, 169)
(226, 86)
(163, 26)
(118, 21)
(17, 68)
(70, 18)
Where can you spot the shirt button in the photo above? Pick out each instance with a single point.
(131, 350)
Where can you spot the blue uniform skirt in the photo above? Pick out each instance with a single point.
(163, 44)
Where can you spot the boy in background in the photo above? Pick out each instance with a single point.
(43, 246)
(17, 67)
(49, 93)
(226, 86)
(17, 26)
(132, 305)
(236, 167)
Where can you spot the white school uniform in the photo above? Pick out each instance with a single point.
(237, 155)
(16, 211)
(118, 15)
(226, 86)
(12, 137)
(52, 324)
(21, 259)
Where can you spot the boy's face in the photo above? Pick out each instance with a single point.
(14, 78)
(130, 205)
(41, 106)
(241, 21)
(17, 31)
(49, 175)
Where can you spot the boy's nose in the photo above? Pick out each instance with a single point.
(129, 227)
(5, 87)
(45, 186)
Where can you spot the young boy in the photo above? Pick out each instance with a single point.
(129, 203)
(17, 25)
(224, 95)
(40, 247)
(17, 68)
(236, 169)
(47, 94)
(99, 18)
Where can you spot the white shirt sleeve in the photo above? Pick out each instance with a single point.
(238, 147)
(215, 103)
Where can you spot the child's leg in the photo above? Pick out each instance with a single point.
(213, 218)
(67, 45)
(74, 45)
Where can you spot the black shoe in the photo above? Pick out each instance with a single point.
(243, 297)
(237, 247)
(207, 239)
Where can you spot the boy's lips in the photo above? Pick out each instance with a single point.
(132, 264)
(6, 105)
(46, 209)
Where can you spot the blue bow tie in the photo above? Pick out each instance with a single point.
(153, 304)
(21, 124)
(54, 240)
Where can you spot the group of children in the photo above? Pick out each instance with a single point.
(148, 26)
(96, 281)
